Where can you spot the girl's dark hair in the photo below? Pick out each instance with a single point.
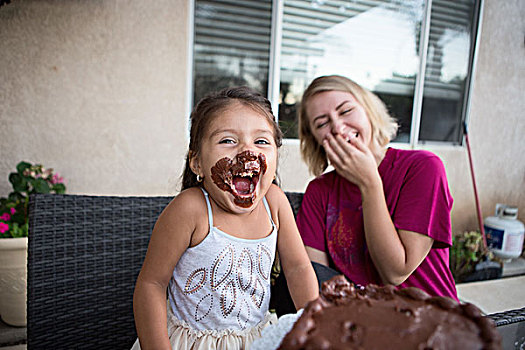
(212, 105)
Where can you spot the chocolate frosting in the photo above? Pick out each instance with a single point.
(247, 162)
(374, 317)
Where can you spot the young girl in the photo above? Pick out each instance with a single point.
(213, 246)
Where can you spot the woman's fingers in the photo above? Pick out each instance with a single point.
(357, 143)
(352, 159)
(336, 153)
(344, 150)
(343, 156)
(337, 146)
(332, 155)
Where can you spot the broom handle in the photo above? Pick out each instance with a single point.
(478, 207)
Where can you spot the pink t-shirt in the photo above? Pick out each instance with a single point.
(418, 199)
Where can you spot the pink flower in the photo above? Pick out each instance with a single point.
(4, 227)
(5, 217)
(57, 179)
(13, 210)
(46, 173)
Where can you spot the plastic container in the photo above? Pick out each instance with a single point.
(505, 232)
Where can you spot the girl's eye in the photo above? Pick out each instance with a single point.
(346, 111)
(226, 141)
(262, 142)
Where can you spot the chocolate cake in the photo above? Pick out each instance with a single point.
(373, 317)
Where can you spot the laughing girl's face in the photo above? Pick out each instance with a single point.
(238, 158)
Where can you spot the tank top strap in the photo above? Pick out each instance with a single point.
(210, 215)
(268, 211)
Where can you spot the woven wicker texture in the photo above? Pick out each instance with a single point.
(508, 317)
(84, 255)
(295, 198)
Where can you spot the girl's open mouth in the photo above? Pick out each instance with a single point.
(240, 177)
(245, 184)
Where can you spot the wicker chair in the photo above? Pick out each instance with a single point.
(84, 255)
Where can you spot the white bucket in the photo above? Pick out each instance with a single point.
(505, 232)
(13, 280)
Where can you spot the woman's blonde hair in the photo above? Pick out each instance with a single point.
(384, 127)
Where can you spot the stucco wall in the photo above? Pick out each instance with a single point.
(97, 90)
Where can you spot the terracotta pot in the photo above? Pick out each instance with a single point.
(13, 280)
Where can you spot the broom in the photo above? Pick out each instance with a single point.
(478, 206)
(485, 269)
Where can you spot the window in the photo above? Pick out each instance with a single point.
(416, 55)
(231, 45)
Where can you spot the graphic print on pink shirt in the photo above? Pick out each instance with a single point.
(347, 246)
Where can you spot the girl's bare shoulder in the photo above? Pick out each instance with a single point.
(278, 202)
(188, 204)
(275, 196)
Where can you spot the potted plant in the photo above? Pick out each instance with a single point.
(471, 260)
(14, 225)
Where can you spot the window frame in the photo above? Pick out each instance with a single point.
(274, 71)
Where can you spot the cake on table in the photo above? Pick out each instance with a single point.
(347, 317)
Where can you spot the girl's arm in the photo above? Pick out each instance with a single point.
(395, 253)
(300, 275)
(170, 238)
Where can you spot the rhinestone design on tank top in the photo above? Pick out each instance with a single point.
(224, 281)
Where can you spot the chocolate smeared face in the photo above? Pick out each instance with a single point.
(240, 176)
(237, 158)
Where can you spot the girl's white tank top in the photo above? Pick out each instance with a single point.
(224, 281)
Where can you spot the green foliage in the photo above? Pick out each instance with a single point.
(466, 251)
(28, 179)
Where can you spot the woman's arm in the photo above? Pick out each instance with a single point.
(170, 238)
(300, 275)
(396, 254)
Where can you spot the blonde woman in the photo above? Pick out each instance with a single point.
(383, 214)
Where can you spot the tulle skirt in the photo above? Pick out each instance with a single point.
(183, 337)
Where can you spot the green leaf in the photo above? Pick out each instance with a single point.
(18, 182)
(41, 186)
(19, 231)
(59, 188)
(15, 196)
(20, 167)
(19, 217)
